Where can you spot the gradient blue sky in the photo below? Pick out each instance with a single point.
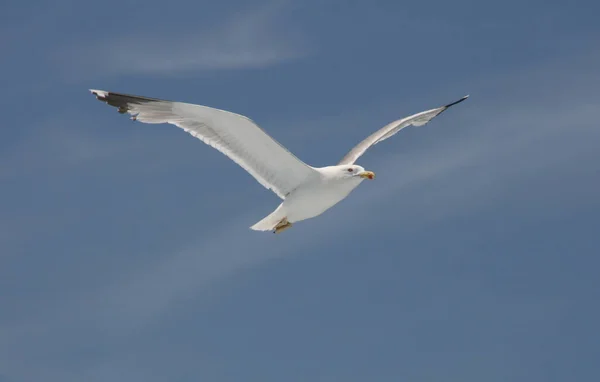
(125, 253)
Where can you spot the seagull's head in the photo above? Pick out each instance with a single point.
(354, 171)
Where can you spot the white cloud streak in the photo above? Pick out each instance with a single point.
(255, 38)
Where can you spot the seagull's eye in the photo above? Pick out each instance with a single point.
(350, 170)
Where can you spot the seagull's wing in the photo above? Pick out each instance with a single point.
(234, 135)
(387, 131)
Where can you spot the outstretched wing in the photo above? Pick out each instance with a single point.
(387, 131)
(234, 135)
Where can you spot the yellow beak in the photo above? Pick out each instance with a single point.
(367, 175)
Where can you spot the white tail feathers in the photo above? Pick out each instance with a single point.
(270, 221)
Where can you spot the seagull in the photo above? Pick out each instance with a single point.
(306, 191)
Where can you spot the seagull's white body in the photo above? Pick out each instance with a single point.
(312, 198)
(306, 191)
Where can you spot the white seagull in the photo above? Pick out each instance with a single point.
(306, 191)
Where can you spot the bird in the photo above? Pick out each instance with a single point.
(306, 191)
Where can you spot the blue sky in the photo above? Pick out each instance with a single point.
(125, 253)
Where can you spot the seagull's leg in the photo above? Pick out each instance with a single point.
(282, 226)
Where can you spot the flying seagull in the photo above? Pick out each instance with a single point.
(306, 191)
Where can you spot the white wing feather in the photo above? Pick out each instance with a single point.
(387, 131)
(236, 136)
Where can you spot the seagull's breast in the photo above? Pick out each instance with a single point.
(314, 198)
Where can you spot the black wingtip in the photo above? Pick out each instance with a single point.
(121, 101)
(455, 102)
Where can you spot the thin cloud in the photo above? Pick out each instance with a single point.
(255, 39)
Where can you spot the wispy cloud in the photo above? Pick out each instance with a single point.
(253, 38)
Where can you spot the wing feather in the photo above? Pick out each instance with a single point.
(387, 131)
(234, 135)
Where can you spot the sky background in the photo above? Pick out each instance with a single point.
(125, 252)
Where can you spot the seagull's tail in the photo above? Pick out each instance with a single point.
(270, 221)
